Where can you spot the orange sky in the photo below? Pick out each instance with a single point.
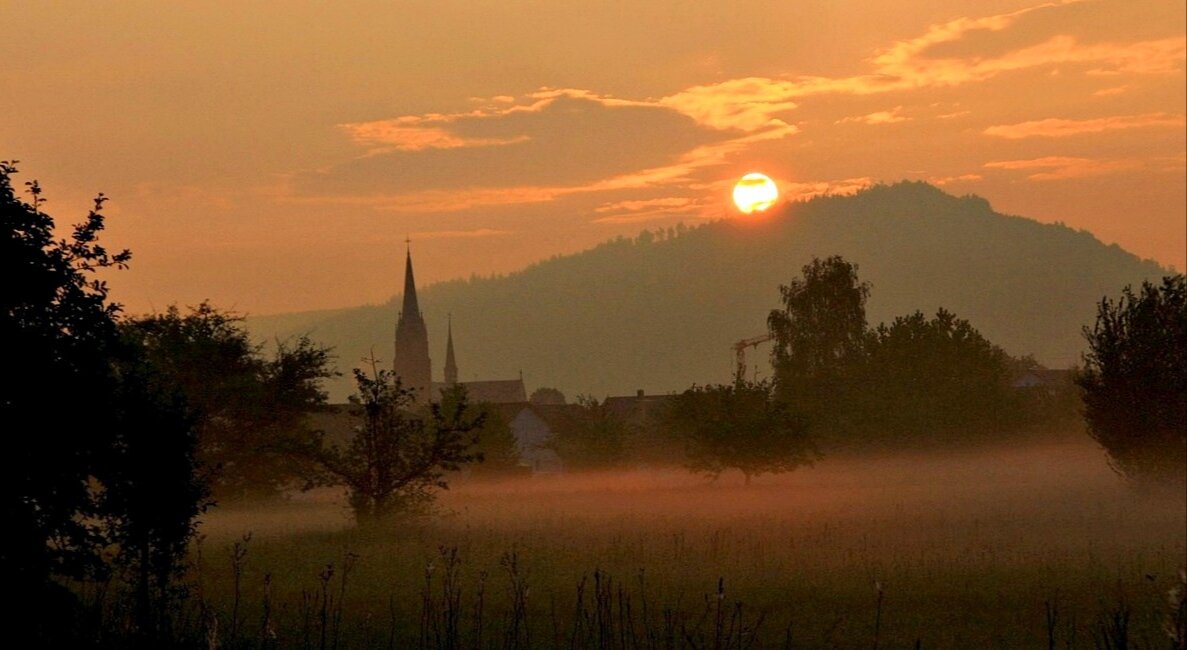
(273, 156)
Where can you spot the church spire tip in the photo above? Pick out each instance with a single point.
(411, 307)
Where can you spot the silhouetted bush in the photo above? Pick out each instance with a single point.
(914, 381)
(933, 379)
(397, 458)
(98, 471)
(250, 411)
(1134, 380)
(590, 435)
(740, 426)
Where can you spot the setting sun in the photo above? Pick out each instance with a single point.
(755, 193)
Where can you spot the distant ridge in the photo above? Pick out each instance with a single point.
(660, 311)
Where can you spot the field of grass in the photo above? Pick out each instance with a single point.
(1013, 547)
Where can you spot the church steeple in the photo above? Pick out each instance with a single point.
(410, 305)
(450, 363)
(412, 364)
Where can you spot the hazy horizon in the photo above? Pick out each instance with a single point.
(593, 322)
(757, 222)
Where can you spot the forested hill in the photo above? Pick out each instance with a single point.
(660, 312)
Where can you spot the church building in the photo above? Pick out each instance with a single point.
(414, 367)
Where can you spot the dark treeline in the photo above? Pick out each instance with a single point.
(250, 410)
(915, 380)
(595, 322)
(840, 385)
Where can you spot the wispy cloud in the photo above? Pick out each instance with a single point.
(1053, 168)
(1111, 90)
(1060, 128)
(640, 210)
(441, 130)
(802, 191)
(908, 61)
(949, 180)
(878, 117)
(907, 64)
(491, 153)
(464, 199)
(645, 204)
(747, 104)
(390, 135)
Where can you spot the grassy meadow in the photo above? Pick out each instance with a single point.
(1028, 546)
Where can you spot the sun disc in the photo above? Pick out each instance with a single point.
(755, 192)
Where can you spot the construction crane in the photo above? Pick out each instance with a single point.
(740, 352)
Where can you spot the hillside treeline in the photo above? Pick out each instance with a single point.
(596, 322)
(839, 385)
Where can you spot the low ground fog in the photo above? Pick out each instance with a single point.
(969, 549)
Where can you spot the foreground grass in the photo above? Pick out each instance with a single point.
(1007, 548)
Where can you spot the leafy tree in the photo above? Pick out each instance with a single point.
(97, 454)
(496, 442)
(819, 336)
(823, 320)
(591, 435)
(397, 458)
(547, 396)
(740, 426)
(59, 330)
(249, 410)
(1134, 380)
(151, 491)
(912, 380)
(928, 378)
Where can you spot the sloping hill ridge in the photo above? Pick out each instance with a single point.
(660, 312)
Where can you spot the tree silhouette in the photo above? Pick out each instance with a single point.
(819, 336)
(151, 491)
(1134, 380)
(249, 410)
(740, 426)
(397, 458)
(823, 319)
(96, 452)
(59, 330)
(590, 435)
(496, 442)
(929, 379)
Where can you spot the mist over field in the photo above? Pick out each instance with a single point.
(967, 546)
(1032, 477)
